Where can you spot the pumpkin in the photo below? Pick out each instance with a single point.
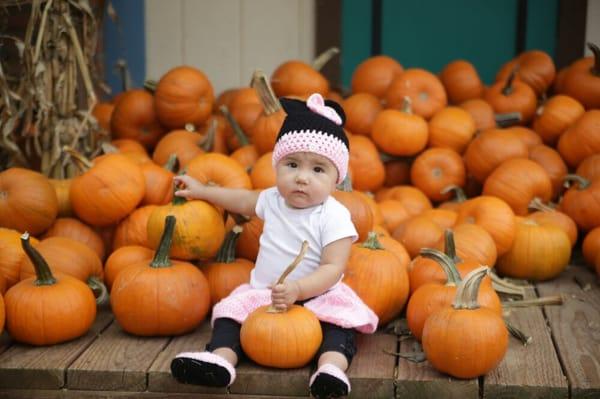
(374, 75)
(435, 169)
(242, 151)
(425, 90)
(582, 202)
(28, 201)
(397, 172)
(213, 133)
(2, 314)
(185, 144)
(183, 95)
(548, 215)
(589, 167)
(134, 117)
(453, 336)
(417, 232)
(35, 307)
(583, 82)
(12, 255)
(297, 78)
(220, 170)
(132, 230)
(102, 111)
(360, 210)
(461, 81)
(159, 182)
(539, 252)
(528, 136)
(518, 182)
(361, 109)
(248, 243)
(108, 191)
(78, 231)
(161, 297)
(198, 236)
(555, 115)
(494, 215)
(445, 218)
(591, 246)
(430, 297)
(535, 68)
(67, 256)
(227, 272)
(413, 199)
(62, 188)
(489, 149)
(482, 113)
(451, 127)
(581, 140)
(472, 242)
(121, 258)
(263, 174)
(378, 277)
(393, 214)
(549, 159)
(511, 95)
(282, 339)
(365, 165)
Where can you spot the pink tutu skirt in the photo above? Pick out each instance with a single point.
(340, 306)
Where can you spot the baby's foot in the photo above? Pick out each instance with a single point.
(329, 381)
(202, 368)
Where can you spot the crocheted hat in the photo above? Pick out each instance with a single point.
(314, 126)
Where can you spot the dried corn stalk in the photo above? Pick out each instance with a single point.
(49, 104)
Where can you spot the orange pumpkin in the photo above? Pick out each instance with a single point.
(549, 159)
(184, 143)
(360, 211)
(62, 188)
(472, 242)
(248, 242)
(35, 307)
(183, 95)
(400, 132)
(451, 127)
(297, 78)
(28, 201)
(547, 215)
(535, 68)
(581, 140)
(555, 115)
(78, 231)
(361, 109)
(435, 169)
(12, 255)
(583, 82)
(426, 92)
(591, 246)
(132, 230)
(416, 233)
(589, 167)
(162, 297)
(461, 81)
(453, 336)
(121, 258)
(482, 113)
(511, 95)
(374, 75)
(263, 173)
(582, 202)
(266, 127)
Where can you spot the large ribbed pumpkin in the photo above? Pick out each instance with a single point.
(160, 297)
(108, 191)
(28, 201)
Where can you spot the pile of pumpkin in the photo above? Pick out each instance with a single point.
(437, 189)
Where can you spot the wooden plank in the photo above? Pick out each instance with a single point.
(531, 371)
(253, 379)
(372, 370)
(421, 380)
(576, 328)
(70, 394)
(159, 375)
(116, 361)
(26, 366)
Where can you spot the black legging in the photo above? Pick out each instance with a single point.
(226, 333)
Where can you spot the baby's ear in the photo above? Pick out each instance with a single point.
(338, 108)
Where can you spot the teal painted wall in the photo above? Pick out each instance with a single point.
(431, 33)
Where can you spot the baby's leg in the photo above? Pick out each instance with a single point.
(214, 367)
(334, 358)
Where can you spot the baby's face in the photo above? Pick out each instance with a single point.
(305, 179)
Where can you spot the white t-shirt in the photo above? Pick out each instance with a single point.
(284, 230)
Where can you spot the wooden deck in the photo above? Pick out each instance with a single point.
(562, 361)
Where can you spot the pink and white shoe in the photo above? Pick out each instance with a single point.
(202, 368)
(329, 381)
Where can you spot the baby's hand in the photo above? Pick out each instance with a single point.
(188, 187)
(284, 295)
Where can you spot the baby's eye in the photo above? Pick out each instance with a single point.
(318, 169)
(292, 164)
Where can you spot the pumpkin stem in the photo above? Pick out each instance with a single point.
(518, 334)
(459, 193)
(161, 257)
(508, 88)
(508, 119)
(372, 242)
(82, 162)
(207, 142)
(324, 58)
(99, 289)
(288, 270)
(450, 246)
(267, 96)
(42, 270)
(124, 75)
(595, 69)
(226, 253)
(468, 289)
(172, 163)
(506, 287)
(237, 129)
(581, 181)
(150, 85)
(545, 300)
(346, 184)
(539, 205)
(407, 105)
(109, 148)
(447, 264)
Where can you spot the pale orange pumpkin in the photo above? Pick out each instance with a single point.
(451, 127)
(375, 74)
(461, 81)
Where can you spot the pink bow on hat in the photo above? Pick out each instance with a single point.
(316, 104)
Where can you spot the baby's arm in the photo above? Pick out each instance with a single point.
(235, 200)
(333, 263)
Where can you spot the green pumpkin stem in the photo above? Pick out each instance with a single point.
(595, 69)
(446, 262)
(581, 181)
(450, 246)
(172, 163)
(372, 242)
(508, 88)
(459, 193)
(237, 129)
(161, 257)
(226, 253)
(267, 96)
(42, 270)
(208, 141)
(99, 289)
(324, 58)
(468, 289)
